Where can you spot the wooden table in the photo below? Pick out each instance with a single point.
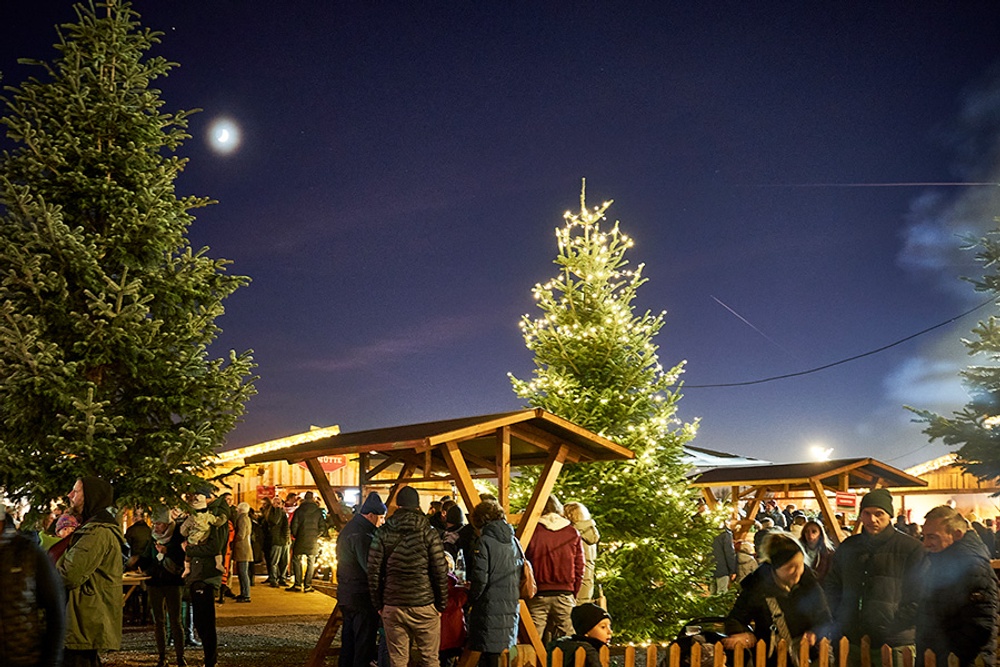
(130, 582)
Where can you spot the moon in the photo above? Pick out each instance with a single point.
(223, 136)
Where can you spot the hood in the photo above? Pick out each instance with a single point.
(970, 546)
(553, 521)
(97, 495)
(499, 530)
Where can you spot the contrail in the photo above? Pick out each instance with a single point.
(929, 184)
(747, 322)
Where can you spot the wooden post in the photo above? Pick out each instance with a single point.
(323, 484)
(404, 474)
(463, 479)
(543, 488)
(503, 468)
(318, 656)
(826, 511)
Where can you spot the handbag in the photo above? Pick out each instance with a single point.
(527, 587)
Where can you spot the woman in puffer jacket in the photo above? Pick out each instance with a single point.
(494, 584)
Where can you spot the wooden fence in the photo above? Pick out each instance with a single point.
(709, 655)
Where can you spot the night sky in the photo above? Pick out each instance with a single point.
(403, 167)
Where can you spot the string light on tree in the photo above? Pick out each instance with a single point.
(596, 364)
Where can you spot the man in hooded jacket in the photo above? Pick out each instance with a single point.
(91, 570)
(556, 555)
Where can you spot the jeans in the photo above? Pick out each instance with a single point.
(359, 636)
(203, 608)
(297, 569)
(243, 572)
(166, 599)
(279, 562)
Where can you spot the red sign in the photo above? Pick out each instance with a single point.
(329, 463)
(846, 499)
(266, 492)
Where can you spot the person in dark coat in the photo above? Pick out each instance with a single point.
(278, 529)
(874, 583)
(32, 601)
(360, 625)
(784, 578)
(958, 611)
(204, 575)
(724, 554)
(591, 632)
(308, 525)
(163, 563)
(408, 581)
(494, 584)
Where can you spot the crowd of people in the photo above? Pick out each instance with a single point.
(431, 581)
(935, 591)
(428, 579)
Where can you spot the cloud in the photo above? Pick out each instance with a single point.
(927, 383)
(434, 334)
(940, 222)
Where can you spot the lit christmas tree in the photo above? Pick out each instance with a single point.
(106, 311)
(596, 365)
(975, 429)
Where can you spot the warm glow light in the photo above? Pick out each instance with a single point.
(820, 453)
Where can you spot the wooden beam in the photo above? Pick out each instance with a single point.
(428, 464)
(446, 477)
(529, 632)
(709, 497)
(503, 468)
(826, 511)
(463, 479)
(480, 462)
(318, 656)
(543, 488)
(845, 482)
(390, 461)
(404, 476)
(362, 475)
(322, 484)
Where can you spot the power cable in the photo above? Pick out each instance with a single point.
(842, 361)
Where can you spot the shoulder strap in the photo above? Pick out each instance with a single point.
(778, 620)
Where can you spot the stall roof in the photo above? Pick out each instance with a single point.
(839, 474)
(533, 432)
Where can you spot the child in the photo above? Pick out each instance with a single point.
(197, 528)
(591, 632)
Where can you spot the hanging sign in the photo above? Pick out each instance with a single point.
(329, 463)
(266, 491)
(846, 499)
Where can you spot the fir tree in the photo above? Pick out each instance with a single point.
(975, 429)
(106, 311)
(596, 365)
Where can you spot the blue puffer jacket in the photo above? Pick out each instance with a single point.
(494, 589)
(959, 609)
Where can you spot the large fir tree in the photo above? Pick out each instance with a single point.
(596, 365)
(106, 311)
(975, 429)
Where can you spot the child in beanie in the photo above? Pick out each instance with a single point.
(591, 632)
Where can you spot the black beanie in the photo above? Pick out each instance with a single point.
(454, 515)
(880, 498)
(408, 497)
(780, 549)
(586, 616)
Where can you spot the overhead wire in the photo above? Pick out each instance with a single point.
(840, 362)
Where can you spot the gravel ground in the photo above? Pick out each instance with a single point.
(272, 644)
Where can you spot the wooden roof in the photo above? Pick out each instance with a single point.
(533, 433)
(839, 474)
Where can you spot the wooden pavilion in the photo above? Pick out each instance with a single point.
(753, 484)
(461, 451)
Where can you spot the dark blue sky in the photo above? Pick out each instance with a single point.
(404, 165)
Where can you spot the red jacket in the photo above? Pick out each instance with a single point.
(556, 555)
(453, 628)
